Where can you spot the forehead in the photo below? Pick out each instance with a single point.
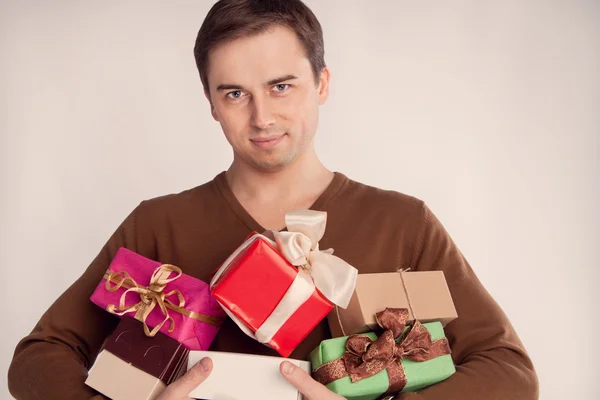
(256, 59)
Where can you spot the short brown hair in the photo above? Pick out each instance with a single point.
(228, 20)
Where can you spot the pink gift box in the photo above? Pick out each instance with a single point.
(195, 323)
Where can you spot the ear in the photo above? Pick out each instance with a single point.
(323, 88)
(212, 108)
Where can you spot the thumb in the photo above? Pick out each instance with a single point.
(305, 384)
(181, 388)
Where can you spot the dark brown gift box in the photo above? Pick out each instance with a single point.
(133, 366)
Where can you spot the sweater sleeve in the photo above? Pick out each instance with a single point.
(53, 360)
(491, 362)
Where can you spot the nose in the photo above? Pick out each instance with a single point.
(262, 114)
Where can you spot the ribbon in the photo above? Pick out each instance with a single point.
(332, 276)
(341, 319)
(152, 296)
(365, 357)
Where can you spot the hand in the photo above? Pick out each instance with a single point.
(311, 389)
(180, 389)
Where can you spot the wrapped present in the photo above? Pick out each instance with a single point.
(278, 291)
(134, 366)
(403, 358)
(254, 377)
(424, 293)
(161, 297)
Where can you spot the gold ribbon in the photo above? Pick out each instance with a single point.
(152, 296)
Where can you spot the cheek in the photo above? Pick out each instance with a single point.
(233, 121)
(303, 111)
(310, 115)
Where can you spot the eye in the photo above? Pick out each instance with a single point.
(236, 94)
(282, 87)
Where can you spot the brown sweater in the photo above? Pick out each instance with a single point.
(372, 229)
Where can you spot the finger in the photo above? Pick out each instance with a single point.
(189, 381)
(306, 385)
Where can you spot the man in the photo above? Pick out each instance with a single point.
(262, 66)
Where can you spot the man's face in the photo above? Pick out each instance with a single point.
(263, 93)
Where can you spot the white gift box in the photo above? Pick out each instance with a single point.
(245, 377)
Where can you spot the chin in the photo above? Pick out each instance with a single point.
(270, 165)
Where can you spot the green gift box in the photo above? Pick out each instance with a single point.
(404, 358)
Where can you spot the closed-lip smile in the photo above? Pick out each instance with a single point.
(268, 142)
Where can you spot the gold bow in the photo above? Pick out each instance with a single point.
(150, 296)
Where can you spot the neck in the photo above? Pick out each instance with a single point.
(302, 181)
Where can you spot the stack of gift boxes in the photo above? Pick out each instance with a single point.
(165, 315)
(387, 328)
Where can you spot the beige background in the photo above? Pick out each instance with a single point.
(489, 111)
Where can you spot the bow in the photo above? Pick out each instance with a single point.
(334, 278)
(150, 296)
(365, 357)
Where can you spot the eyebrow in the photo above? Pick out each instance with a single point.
(281, 79)
(229, 86)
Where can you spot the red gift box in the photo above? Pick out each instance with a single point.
(253, 285)
(278, 291)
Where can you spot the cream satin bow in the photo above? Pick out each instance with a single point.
(335, 278)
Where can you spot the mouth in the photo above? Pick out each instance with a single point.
(269, 142)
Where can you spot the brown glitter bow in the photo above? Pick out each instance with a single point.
(152, 296)
(365, 357)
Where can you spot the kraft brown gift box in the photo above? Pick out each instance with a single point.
(424, 293)
(133, 366)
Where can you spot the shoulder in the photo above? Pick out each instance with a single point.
(390, 221)
(360, 197)
(175, 206)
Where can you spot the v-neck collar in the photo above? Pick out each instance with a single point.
(329, 193)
